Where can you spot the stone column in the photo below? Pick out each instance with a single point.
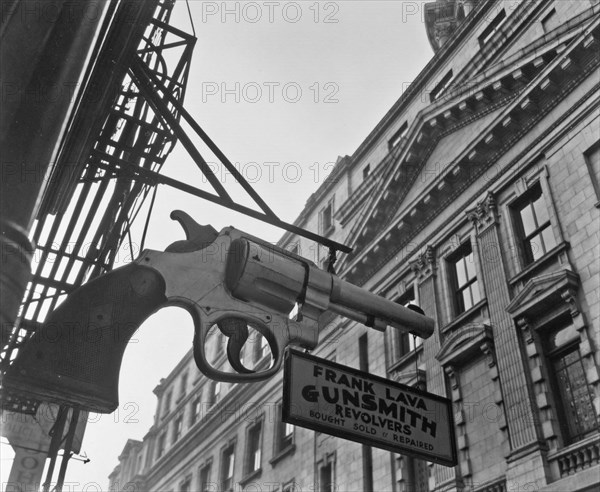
(425, 268)
(517, 399)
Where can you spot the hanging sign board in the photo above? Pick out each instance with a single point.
(344, 402)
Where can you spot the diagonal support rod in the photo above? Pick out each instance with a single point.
(122, 168)
(142, 81)
(141, 72)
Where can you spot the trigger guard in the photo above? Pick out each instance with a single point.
(205, 323)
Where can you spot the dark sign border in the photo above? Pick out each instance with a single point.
(400, 449)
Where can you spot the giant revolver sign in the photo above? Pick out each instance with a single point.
(344, 402)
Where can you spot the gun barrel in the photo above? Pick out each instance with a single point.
(349, 296)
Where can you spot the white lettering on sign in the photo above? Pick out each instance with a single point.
(359, 406)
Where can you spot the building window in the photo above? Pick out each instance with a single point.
(550, 20)
(441, 87)
(183, 385)
(186, 485)
(465, 287)
(327, 476)
(262, 349)
(592, 160)
(253, 448)
(160, 444)
(285, 433)
(492, 28)
(167, 403)
(196, 410)
(403, 342)
(366, 170)
(326, 218)
(205, 485)
(219, 343)
(398, 136)
(289, 487)
(574, 399)
(177, 428)
(216, 396)
(532, 221)
(227, 464)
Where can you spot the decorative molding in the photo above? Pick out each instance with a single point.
(425, 265)
(569, 295)
(485, 212)
(360, 275)
(464, 342)
(526, 328)
(546, 292)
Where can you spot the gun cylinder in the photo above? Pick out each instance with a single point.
(260, 274)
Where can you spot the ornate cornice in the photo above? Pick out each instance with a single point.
(531, 105)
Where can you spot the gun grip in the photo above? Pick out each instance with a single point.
(75, 357)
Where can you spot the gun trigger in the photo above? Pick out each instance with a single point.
(197, 236)
(236, 330)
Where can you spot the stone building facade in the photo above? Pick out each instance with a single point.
(477, 196)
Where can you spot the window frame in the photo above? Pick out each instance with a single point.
(177, 428)
(196, 403)
(229, 451)
(207, 465)
(161, 444)
(183, 383)
(261, 349)
(492, 28)
(512, 208)
(549, 356)
(403, 344)
(326, 228)
(397, 137)
(441, 86)
(283, 443)
(250, 465)
(166, 406)
(187, 481)
(473, 284)
(329, 461)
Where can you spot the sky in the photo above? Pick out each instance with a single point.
(283, 88)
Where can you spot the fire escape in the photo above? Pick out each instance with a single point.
(85, 218)
(126, 122)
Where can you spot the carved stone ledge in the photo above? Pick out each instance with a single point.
(545, 292)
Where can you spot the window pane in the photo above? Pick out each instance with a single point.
(528, 220)
(548, 235)
(475, 292)
(536, 247)
(562, 337)
(541, 211)
(470, 264)
(461, 273)
(466, 297)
